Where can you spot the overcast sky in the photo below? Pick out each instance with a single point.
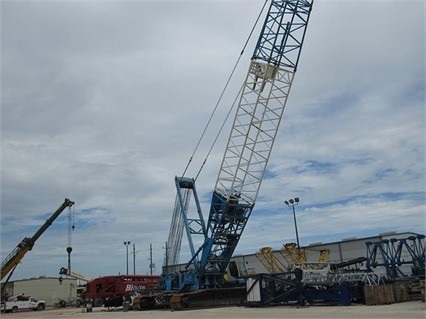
(103, 102)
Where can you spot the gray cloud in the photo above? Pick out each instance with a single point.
(103, 102)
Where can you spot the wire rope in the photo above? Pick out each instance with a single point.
(219, 100)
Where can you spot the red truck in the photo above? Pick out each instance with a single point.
(112, 291)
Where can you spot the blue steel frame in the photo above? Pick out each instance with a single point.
(396, 252)
(288, 288)
(283, 33)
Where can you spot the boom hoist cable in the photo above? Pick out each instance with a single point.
(219, 101)
(71, 227)
(182, 202)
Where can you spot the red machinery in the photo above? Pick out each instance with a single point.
(110, 291)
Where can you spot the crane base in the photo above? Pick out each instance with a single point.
(208, 298)
(203, 298)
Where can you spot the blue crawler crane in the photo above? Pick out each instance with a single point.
(261, 105)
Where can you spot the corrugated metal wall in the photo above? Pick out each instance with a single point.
(344, 250)
(47, 289)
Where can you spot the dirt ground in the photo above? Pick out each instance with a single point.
(406, 310)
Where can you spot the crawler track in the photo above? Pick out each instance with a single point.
(203, 298)
(207, 298)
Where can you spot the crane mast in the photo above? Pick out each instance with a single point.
(255, 126)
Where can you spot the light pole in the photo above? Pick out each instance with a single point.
(293, 202)
(127, 243)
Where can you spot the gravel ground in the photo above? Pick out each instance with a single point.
(406, 310)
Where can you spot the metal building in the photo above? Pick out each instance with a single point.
(49, 289)
(336, 252)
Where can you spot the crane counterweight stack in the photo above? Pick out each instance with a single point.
(255, 126)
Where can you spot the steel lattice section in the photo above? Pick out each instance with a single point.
(283, 33)
(255, 127)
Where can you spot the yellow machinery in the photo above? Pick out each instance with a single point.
(269, 260)
(293, 255)
(12, 260)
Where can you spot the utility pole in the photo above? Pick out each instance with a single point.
(134, 260)
(150, 258)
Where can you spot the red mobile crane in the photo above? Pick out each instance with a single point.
(111, 290)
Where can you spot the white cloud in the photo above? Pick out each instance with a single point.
(103, 102)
